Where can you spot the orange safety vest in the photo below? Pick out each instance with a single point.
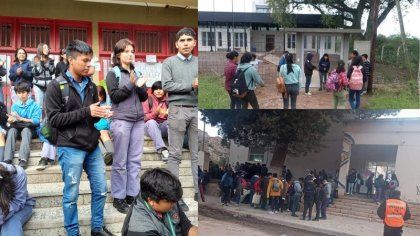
(394, 213)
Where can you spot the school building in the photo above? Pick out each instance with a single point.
(379, 146)
(151, 25)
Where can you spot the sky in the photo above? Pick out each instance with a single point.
(212, 131)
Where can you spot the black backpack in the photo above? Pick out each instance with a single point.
(238, 86)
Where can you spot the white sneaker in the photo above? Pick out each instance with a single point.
(271, 212)
(165, 155)
(308, 94)
(276, 212)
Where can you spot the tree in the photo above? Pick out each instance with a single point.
(350, 11)
(292, 133)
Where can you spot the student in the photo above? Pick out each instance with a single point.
(16, 205)
(324, 67)
(105, 142)
(20, 71)
(24, 120)
(339, 95)
(61, 66)
(291, 74)
(252, 79)
(326, 190)
(367, 67)
(43, 72)
(308, 197)
(297, 185)
(180, 81)
(156, 211)
(369, 185)
(308, 68)
(156, 118)
(274, 191)
(127, 125)
(282, 60)
(255, 61)
(354, 74)
(3, 72)
(319, 197)
(77, 138)
(229, 72)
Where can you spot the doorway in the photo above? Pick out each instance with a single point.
(269, 42)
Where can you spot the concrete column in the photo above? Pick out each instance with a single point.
(345, 163)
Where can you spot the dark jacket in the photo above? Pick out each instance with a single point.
(60, 68)
(75, 126)
(3, 70)
(26, 74)
(140, 221)
(308, 67)
(43, 72)
(309, 190)
(126, 97)
(324, 65)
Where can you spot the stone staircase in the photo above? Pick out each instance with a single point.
(47, 187)
(359, 207)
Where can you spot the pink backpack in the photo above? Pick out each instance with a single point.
(333, 82)
(356, 78)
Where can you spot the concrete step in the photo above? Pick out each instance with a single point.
(50, 195)
(149, 154)
(49, 221)
(53, 173)
(36, 144)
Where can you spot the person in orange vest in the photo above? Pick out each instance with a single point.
(394, 212)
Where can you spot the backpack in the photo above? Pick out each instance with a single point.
(291, 191)
(150, 102)
(117, 72)
(333, 82)
(356, 78)
(276, 185)
(238, 87)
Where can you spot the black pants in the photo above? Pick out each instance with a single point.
(369, 192)
(307, 205)
(391, 231)
(226, 195)
(318, 208)
(250, 98)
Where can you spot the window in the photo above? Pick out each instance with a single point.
(256, 154)
(149, 42)
(261, 8)
(239, 39)
(68, 34)
(219, 36)
(313, 41)
(207, 39)
(110, 37)
(32, 35)
(328, 42)
(304, 41)
(6, 35)
(172, 47)
(291, 41)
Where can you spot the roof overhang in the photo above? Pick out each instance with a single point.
(187, 4)
(325, 30)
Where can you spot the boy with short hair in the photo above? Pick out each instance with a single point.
(24, 119)
(156, 211)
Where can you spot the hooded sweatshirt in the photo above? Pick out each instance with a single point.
(26, 72)
(252, 77)
(29, 110)
(309, 68)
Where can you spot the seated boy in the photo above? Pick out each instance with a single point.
(156, 118)
(155, 211)
(23, 120)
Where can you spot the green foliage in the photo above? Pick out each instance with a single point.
(405, 98)
(300, 130)
(212, 93)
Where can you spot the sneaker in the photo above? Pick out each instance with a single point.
(42, 164)
(276, 212)
(294, 215)
(271, 212)
(23, 164)
(165, 155)
(103, 232)
(184, 206)
(308, 94)
(129, 200)
(120, 205)
(315, 219)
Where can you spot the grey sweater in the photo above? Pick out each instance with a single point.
(177, 77)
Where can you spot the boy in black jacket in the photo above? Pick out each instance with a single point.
(308, 68)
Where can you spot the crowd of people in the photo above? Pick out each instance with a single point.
(86, 126)
(242, 77)
(254, 185)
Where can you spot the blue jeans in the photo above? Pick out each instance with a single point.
(39, 96)
(1, 94)
(324, 206)
(322, 79)
(13, 226)
(72, 162)
(308, 82)
(354, 103)
(292, 93)
(296, 199)
(350, 190)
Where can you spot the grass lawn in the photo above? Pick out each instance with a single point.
(405, 98)
(212, 93)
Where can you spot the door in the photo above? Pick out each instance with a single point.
(269, 42)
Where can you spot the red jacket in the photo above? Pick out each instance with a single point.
(149, 114)
(230, 70)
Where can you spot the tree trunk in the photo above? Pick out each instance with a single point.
(279, 156)
(402, 33)
(375, 13)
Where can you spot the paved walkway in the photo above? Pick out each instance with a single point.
(335, 225)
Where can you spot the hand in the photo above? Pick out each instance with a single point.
(141, 81)
(195, 83)
(10, 118)
(17, 116)
(98, 111)
(157, 111)
(19, 71)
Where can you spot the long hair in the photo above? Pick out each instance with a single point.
(7, 189)
(289, 62)
(340, 67)
(16, 54)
